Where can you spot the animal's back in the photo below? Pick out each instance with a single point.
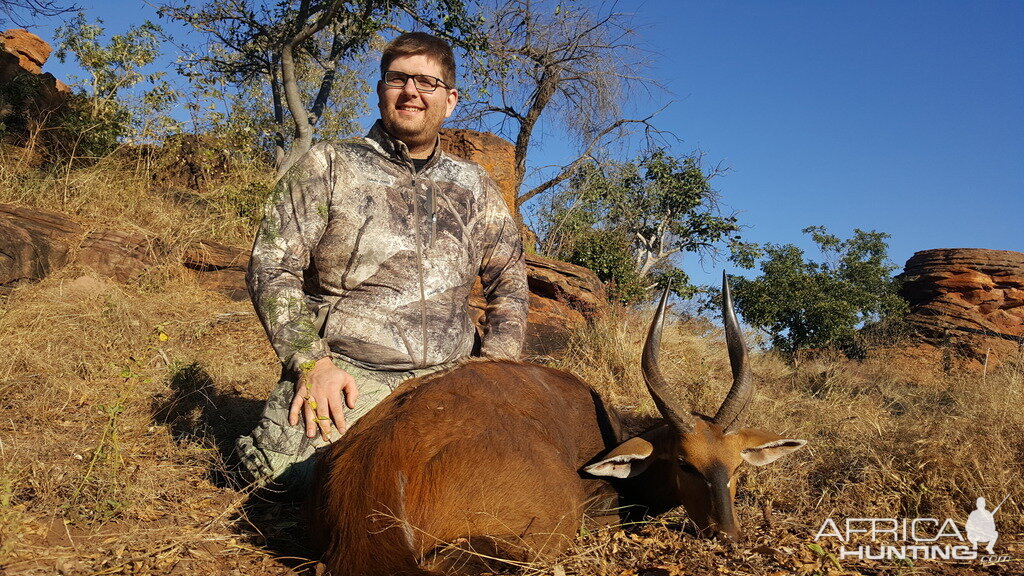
(486, 456)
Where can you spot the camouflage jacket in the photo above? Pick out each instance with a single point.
(383, 259)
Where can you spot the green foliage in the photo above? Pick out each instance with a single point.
(807, 304)
(111, 108)
(17, 96)
(607, 253)
(242, 113)
(629, 221)
(79, 134)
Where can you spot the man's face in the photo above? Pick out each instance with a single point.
(412, 116)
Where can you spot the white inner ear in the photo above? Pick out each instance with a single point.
(624, 466)
(771, 451)
(628, 459)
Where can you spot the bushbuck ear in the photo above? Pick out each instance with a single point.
(626, 460)
(766, 447)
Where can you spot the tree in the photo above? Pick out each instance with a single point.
(253, 42)
(631, 221)
(110, 112)
(16, 10)
(564, 61)
(806, 304)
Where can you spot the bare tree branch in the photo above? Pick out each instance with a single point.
(16, 10)
(567, 171)
(559, 64)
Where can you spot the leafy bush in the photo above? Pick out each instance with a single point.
(807, 304)
(630, 221)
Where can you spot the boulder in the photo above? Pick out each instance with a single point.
(966, 299)
(34, 242)
(563, 296)
(120, 254)
(219, 267)
(31, 50)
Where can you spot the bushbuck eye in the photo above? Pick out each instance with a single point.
(687, 467)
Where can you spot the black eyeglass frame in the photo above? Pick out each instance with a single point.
(405, 80)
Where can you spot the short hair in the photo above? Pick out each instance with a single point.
(411, 43)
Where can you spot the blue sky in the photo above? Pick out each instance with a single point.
(902, 117)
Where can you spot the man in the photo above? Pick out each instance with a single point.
(981, 526)
(361, 269)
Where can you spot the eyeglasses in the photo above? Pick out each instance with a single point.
(423, 82)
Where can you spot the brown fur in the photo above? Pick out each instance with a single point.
(489, 452)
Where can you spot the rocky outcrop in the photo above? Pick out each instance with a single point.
(219, 267)
(968, 300)
(28, 97)
(34, 242)
(31, 50)
(562, 296)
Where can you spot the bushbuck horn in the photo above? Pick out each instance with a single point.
(668, 403)
(742, 390)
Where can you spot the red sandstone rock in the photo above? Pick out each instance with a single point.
(219, 267)
(971, 300)
(31, 50)
(121, 254)
(562, 296)
(34, 242)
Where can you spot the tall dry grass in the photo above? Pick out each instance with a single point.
(120, 191)
(117, 400)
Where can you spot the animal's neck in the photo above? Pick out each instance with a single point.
(652, 493)
(656, 490)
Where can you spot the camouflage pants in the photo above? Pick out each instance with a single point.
(279, 455)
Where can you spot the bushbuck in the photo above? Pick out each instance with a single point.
(502, 459)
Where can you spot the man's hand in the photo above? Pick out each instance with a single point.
(321, 394)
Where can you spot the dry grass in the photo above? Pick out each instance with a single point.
(118, 403)
(120, 191)
(104, 422)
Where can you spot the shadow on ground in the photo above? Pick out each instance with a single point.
(195, 410)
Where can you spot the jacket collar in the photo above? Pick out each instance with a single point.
(396, 150)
